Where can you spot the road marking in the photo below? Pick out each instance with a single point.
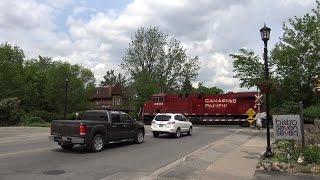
(178, 161)
(23, 152)
(22, 139)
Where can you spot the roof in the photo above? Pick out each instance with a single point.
(106, 92)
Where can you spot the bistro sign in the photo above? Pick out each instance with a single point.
(287, 127)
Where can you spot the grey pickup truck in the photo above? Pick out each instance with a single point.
(95, 129)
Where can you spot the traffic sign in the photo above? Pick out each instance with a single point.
(250, 119)
(258, 98)
(250, 112)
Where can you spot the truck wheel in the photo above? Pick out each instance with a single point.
(189, 133)
(67, 146)
(97, 143)
(138, 139)
(178, 133)
(155, 134)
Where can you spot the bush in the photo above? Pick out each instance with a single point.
(46, 116)
(311, 154)
(72, 116)
(312, 112)
(9, 111)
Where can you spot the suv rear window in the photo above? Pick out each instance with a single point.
(162, 118)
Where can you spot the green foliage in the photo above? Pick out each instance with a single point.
(32, 121)
(312, 112)
(9, 111)
(46, 116)
(72, 116)
(310, 153)
(111, 79)
(287, 107)
(297, 56)
(280, 157)
(247, 67)
(156, 65)
(206, 90)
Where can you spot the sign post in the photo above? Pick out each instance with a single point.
(287, 127)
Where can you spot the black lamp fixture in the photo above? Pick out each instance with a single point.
(265, 35)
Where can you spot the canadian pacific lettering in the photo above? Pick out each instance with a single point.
(218, 103)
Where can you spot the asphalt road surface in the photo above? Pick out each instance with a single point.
(26, 153)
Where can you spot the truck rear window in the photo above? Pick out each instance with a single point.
(95, 116)
(162, 118)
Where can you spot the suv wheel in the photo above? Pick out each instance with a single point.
(138, 139)
(155, 134)
(189, 133)
(178, 133)
(97, 143)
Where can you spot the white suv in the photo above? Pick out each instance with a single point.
(170, 123)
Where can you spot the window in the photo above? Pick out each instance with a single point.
(115, 117)
(117, 101)
(180, 96)
(95, 116)
(158, 99)
(199, 96)
(186, 96)
(162, 118)
(124, 118)
(178, 117)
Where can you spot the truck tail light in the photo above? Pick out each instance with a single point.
(171, 122)
(82, 129)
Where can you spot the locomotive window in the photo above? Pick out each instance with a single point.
(180, 96)
(159, 99)
(199, 96)
(186, 96)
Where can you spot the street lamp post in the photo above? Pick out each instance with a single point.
(66, 99)
(265, 35)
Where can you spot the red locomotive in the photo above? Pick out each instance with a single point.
(229, 108)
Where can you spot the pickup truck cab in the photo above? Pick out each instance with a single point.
(97, 128)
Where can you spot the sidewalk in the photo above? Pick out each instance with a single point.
(241, 162)
(234, 157)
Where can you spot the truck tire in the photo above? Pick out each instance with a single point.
(67, 146)
(138, 139)
(97, 143)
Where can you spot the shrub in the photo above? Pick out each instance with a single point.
(46, 116)
(9, 111)
(72, 116)
(312, 112)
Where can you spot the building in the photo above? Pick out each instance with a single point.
(109, 97)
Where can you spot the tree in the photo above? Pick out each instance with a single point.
(205, 90)
(247, 67)
(297, 56)
(164, 61)
(157, 64)
(111, 79)
(11, 71)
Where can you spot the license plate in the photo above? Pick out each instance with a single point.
(160, 125)
(64, 138)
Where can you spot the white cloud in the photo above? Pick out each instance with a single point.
(211, 29)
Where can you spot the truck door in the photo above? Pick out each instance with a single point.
(117, 130)
(128, 125)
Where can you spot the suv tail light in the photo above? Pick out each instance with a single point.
(171, 122)
(82, 129)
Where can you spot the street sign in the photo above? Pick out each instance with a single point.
(286, 127)
(250, 119)
(250, 112)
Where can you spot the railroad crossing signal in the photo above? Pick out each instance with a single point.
(258, 98)
(250, 112)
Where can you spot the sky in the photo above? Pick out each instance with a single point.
(96, 33)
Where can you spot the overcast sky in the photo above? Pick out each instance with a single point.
(95, 33)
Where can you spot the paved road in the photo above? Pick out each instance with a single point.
(27, 154)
